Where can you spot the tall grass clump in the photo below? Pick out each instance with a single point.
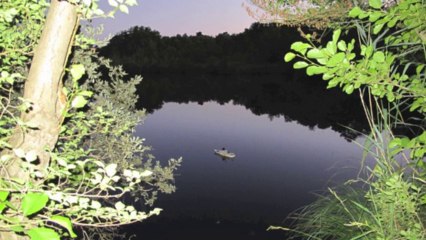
(386, 66)
(386, 201)
(388, 211)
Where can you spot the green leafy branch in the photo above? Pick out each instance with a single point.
(377, 68)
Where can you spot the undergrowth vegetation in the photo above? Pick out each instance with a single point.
(70, 163)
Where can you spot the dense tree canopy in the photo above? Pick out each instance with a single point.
(257, 50)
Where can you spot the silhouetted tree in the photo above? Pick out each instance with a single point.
(258, 49)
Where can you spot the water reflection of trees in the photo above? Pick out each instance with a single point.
(295, 97)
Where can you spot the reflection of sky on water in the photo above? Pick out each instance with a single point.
(278, 164)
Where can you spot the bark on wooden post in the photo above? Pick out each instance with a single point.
(43, 88)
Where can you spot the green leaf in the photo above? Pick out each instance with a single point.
(86, 93)
(374, 16)
(336, 59)
(351, 45)
(349, 88)
(376, 4)
(366, 51)
(327, 76)
(31, 156)
(393, 22)
(156, 211)
(146, 173)
(341, 45)
(331, 47)
(87, 2)
(394, 143)
(120, 206)
(65, 91)
(64, 222)
(113, 3)
(131, 2)
(3, 195)
(322, 61)
(405, 142)
(333, 82)
(390, 96)
(123, 8)
(96, 205)
(379, 57)
(77, 71)
(419, 69)
(111, 169)
(312, 70)
(336, 35)
(19, 152)
(300, 47)
(315, 53)
(355, 12)
(363, 15)
(78, 102)
(33, 203)
(43, 233)
(289, 56)
(416, 104)
(377, 28)
(300, 64)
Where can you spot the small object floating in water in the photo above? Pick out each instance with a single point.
(224, 153)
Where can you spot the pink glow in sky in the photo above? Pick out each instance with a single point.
(171, 17)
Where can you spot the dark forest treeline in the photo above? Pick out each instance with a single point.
(259, 49)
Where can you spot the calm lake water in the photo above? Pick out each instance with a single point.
(289, 140)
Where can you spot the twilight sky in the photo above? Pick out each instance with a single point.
(171, 17)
